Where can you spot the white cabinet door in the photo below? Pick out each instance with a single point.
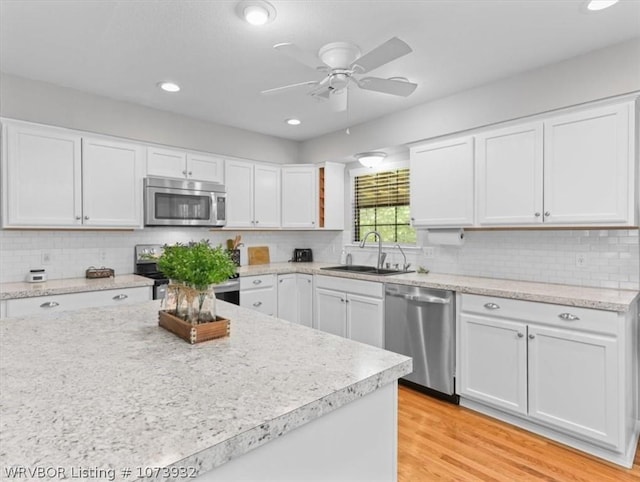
(42, 177)
(239, 184)
(166, 162)
(203, 167)
(509, 175)
(442, 183)
(305, 299)
(573, 383)
(112, 183)
(493, 359)
(288, 297)
(299, 197)
(330, 312)
(266, 200)
(588, 167)
(365, 319)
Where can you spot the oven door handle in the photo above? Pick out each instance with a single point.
(227, 286)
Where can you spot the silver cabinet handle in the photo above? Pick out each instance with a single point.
(257, 303)
(568, 317)
(308, 281)
(256, 221)
(281, 280)
(531, 337)
(520, 335)
(50, 304)
(257, 281)
(547, 213)
(491, 306)
(120, 297)
(86, 217)
(190, 173)
(537, 215)
(78, 218)
(184, 172)
(342, 300)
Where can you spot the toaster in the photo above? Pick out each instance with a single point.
(302, 255)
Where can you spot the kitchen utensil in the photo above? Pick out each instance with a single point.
(258, 255)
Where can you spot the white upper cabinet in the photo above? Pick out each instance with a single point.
(509, 175)
(59, 178)
(42, 177)
(179, 164)
(266, 196)
(112, 183)
(442, 181)
(253, 195)
(589, 167)
(299, 196)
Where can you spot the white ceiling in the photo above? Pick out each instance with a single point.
(121, 49)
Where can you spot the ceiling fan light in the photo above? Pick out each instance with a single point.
(256, 12)
(370, 159)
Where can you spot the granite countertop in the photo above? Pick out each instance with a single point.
(582, 296)
(108, 388)
(71, 285)
(569, 295)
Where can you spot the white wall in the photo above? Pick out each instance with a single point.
(45, 103)
(599, 74)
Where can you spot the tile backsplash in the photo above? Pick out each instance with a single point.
(70, 253)
(611, 257)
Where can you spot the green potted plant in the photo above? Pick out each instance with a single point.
(193, 269)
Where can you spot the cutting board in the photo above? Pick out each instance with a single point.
(258, 254)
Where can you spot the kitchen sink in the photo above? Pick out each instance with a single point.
(356, 268)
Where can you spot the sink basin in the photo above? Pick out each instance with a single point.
(356, 268)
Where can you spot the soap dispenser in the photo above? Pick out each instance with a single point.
(343, 256)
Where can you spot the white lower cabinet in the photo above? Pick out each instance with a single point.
(3, 309)
(555, 367)
(295, 298)
(350, 308)
(75, 301)
(259, 293)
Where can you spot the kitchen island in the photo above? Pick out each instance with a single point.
(106, 394)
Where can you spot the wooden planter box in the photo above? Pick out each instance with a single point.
(194, 333)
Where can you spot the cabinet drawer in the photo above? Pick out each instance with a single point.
(559, 316)
(74, 301)
(253, 282)
(358, 287)
(263, 300)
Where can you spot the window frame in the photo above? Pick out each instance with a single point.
(360, 171)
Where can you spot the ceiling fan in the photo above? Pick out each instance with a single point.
(341, 62)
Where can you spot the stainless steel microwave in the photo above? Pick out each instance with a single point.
(172, 202)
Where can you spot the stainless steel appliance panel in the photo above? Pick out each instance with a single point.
(420, 323)
(169, 202)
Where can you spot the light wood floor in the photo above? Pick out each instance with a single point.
(441, 441)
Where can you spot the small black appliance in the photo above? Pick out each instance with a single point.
(302, 255)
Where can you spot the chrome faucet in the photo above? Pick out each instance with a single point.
(405, 265)
(381, 255)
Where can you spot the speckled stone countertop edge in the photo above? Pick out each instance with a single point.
(19, 290)
(251, 439)
(607, 299)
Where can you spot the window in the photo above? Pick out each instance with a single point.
(381, 203)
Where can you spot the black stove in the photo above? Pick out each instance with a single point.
(146, 265)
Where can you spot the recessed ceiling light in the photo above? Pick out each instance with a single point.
(256, 12)
(293, 122)
(595, 5)
(169, 86)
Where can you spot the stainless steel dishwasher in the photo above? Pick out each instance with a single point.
(420, 323)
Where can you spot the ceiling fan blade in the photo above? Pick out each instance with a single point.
(302, 56)
(338, 99)
(290, 86)
(387, 86)
(388, 51)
